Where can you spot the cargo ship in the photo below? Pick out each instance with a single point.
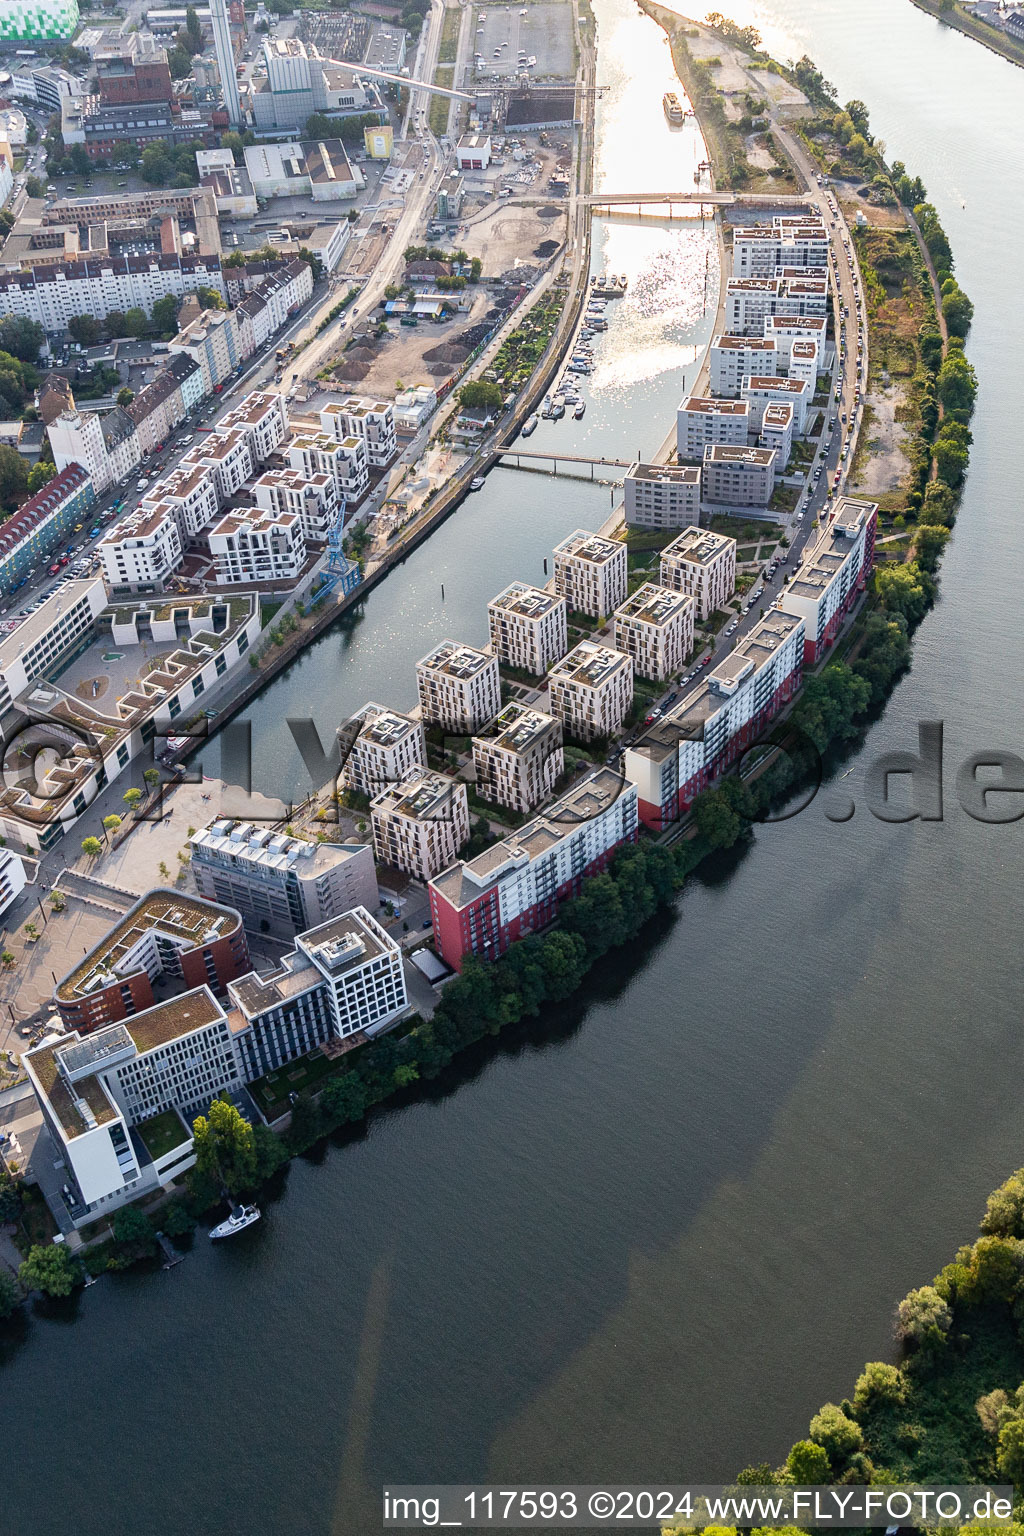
(673, 110)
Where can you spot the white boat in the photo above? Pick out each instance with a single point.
(579, 412)
(242, 1216)
(477, 483)
(558, 408)
(530, 425)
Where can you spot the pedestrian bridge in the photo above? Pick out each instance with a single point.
(715, 199)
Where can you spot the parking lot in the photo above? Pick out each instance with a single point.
(541, 31)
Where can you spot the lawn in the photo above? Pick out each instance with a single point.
(163, 1133)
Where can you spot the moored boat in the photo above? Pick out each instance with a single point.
(530, 425)
(242, 1216)
(672, 108)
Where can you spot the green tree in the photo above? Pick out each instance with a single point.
(92, 846)
(151, 776)
(838, 1435)
(344, 1099)
(13, 477)
(808, 1463)
(564, 964)
(1010, 1451)
(132, 1228)
(879, 1383)
(318, 126)
(125, 396)
(480, 396)
(135, 322)
(939, 505)
(176, 1220)
(39, 475)
(193, 30)
(905, 589)
(958, 311)
(929, 542)
(957, 383)
(306, 1122)
(131, 798)
(597, 915)
(716, 820)
(179, 62)
(157, 167)
(85, 330)
(234, 142)
(111, 823)
(10, 1293)
(209, 298)
(50, 1269)
(10, 1198)
(224, 1147)
(165, 315)
(923, 1317)
(34, 187)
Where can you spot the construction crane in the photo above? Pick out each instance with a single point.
(341, 571)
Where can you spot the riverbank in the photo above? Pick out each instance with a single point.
(961, 20)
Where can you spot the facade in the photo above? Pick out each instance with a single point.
(155, 411)
(298, 82)
(12, 878)
(516, 887)
(655, 629)
(43, 523)
(345, 461)
(250, 544)
(527, 627)
(591, 690)
(47, 637)
(319, 169)
(278, 883)
(784, 330)
(184, 940)
(760, 393)
(662, 495)
(732, 358)
(459, 687)
(751, 300)
(786, 242)
(716, 720)
(142, 550)
(313, 499)
(591, 573)
(379, 747)
(371, 420)
(76, 438)
(420, 824)
(833, 575)
(702, 565)
(777, 432)
(738, 477)
(519, 758)
(35, 20)
(53, 294)
(701, 420)
(213, 343)
(473, 152)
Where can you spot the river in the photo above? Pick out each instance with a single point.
(649, 1237)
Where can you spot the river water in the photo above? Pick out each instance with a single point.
(648, 1237)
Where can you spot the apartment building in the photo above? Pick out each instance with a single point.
(702, 565)
(591, 573)
(262, 419)
(190, 491)
(343, 459)
(518, 759)
(312, 498)
(662, 495)
(420, 824)
(120, 442)
(784, 330)
(716, 720)
(278, 883)
(251, 544)
(732, 358)
(76, 438)
(166, 938)
(141, 550)
(228, 457)
(459, 687)
(700, 421)
(373, 421)
(516, 886)
(528, 627)
(42, 524)
(107, 1097)
(760, 393)
(53, 294)
(738, 477)
(751, 300)
(591, 690)
(379, 747)
(156, 410)
(833, 574)
(47, 637)
(777, 432)
(212, 343)
(654, 627)
(759, 249)
(12, 878)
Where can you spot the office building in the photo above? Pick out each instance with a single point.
(527, 627)
(12, 878)
(591, 573)
(518, 758)
(702, 565)
(738, 477)
(662, 495)
(278, 883)
(46, 638)
(516, 886)
(420, 824)
(833, 574)
(591, 690)
(459, 687)
(654, 627)
(701, 420)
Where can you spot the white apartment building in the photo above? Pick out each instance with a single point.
(281, 884)
(191, 491)
(662, 495)
(262, 419)
(784, 330)
(760, 393)
(732, 358)
(212, 341)
(759, 249)
(833, 574)
(804, 363)
(738, 477)
(98, 286)
(76, 437)
(313, 498)
(519, 758)
(459, 687)
(702, 564)
(591, 573)
(517, 886)
(716, 720)
(654, 627)
(528, 627)
(371, 420)
(379, 747)
(777, 432)
(12, 878)
(701, 420)
(591, 690)
(345, 460)
(420, 824)
(41, 640)
(141, 550)
(250, 544)
(228, 457)
(751, 300)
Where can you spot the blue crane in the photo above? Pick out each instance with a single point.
(341, 571)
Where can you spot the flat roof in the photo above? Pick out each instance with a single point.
(708, 405)
(517, 727)
(589, 664)
(768, 382)
(651, 604)
(668, 474)
(525, 601)
(188, 920)
(582, 545)
(700, 546)
(731, 343)
(35, 625)
(455, 660)
(419, 796)
(727, 453)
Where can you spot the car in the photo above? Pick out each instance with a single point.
(95, 531)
